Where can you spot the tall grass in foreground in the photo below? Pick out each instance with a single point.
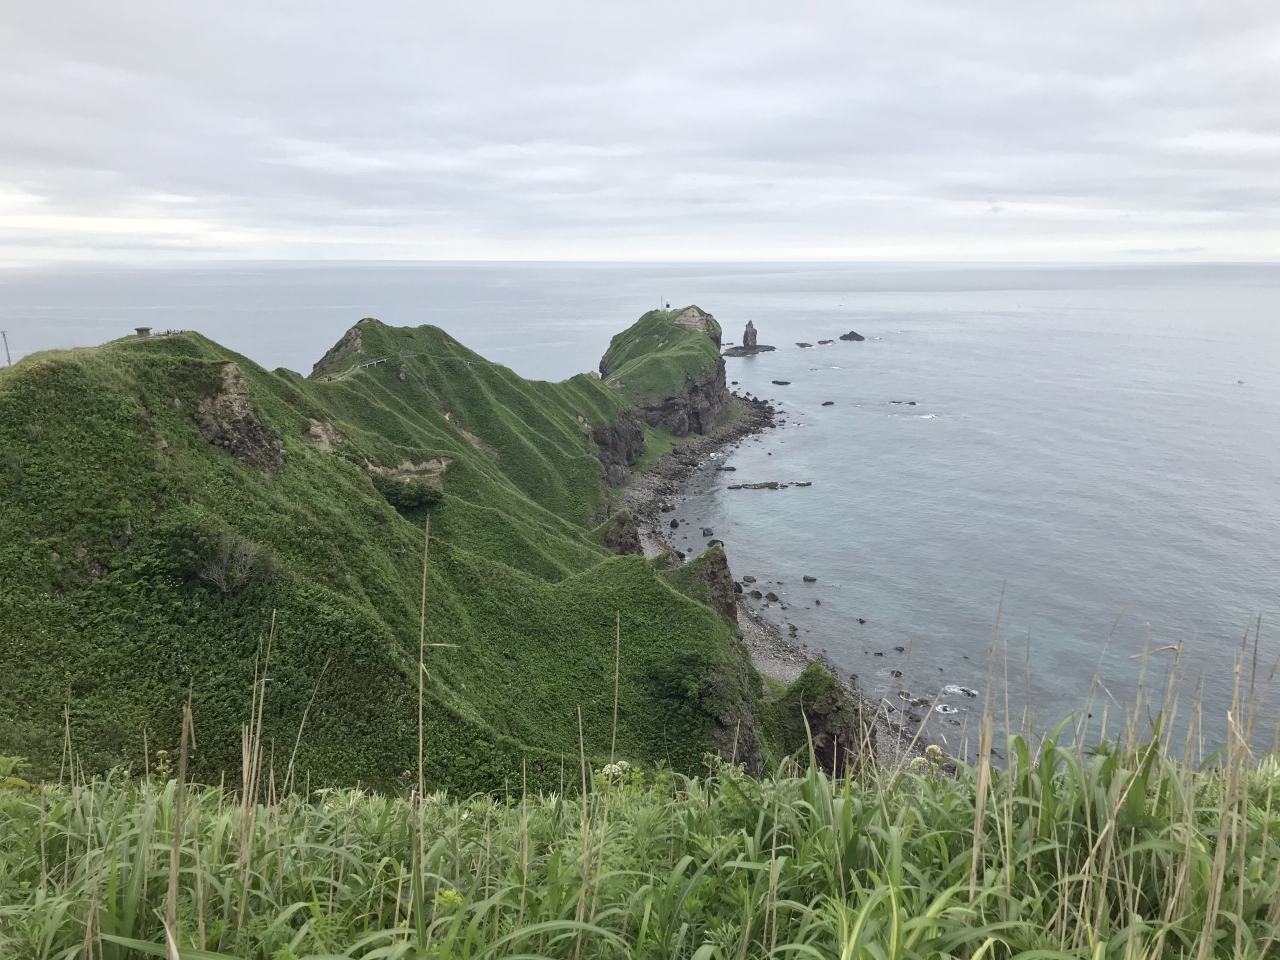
(1124, 851)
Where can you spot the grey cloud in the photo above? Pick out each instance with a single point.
(587, 130)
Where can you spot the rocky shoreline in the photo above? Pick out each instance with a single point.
(652, 493)
(647, 493)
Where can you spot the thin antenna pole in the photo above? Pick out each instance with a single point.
(5, 335)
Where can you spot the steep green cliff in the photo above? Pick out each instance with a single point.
(163, 501)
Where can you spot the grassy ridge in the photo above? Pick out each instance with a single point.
(1119, 851)
(113, 507)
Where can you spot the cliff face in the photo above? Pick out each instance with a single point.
(699, 408)
(619, 445)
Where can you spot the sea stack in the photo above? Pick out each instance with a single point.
(749, 345)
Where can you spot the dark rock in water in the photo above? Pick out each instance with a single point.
(804, 345)
(737, 588)
(667, 507)
(900, 649)
(749, 335)
(823, 343)
(675, 524)
(782, 383)
(911, 403)
(715, 543)
(817, 602)
(913, 718)
(879, 654)
(828, 403)
(680, 554)
(623, 535)
(727, 469)
(803, 483)
(861, 620)
(748, 579)
(895, 673)
(733, 383)
(766, 485)
(809, 579)
(708, 532)
(852, 335)
(756, 594)
(771, 597)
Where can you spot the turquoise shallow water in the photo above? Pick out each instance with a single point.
(1081, 444)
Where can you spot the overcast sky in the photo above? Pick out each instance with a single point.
(600, 130)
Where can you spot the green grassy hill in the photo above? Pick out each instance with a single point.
(162, 500)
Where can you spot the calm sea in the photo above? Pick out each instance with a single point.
(1092, 461)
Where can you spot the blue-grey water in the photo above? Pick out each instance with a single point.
(1093, 456)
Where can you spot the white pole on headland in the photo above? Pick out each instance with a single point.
(5, 335)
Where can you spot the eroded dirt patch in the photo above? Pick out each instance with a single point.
(228, 421)
(428, 471)
(322, 435)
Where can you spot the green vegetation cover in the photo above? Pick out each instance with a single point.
(1121, 851)
(175, 519)
(655, 356)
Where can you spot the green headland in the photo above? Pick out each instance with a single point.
(176, 520)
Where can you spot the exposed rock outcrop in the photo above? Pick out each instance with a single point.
(227, 420)
(695, 318)
(321, 435)
(619, 446)
(734, 734)
(623, 535)
(835, 719)
(712, 583)
(719, 583)
(852, 335)
(351, 342)
(699, 409)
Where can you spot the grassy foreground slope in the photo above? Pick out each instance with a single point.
(164, 501)
(1121, 852)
